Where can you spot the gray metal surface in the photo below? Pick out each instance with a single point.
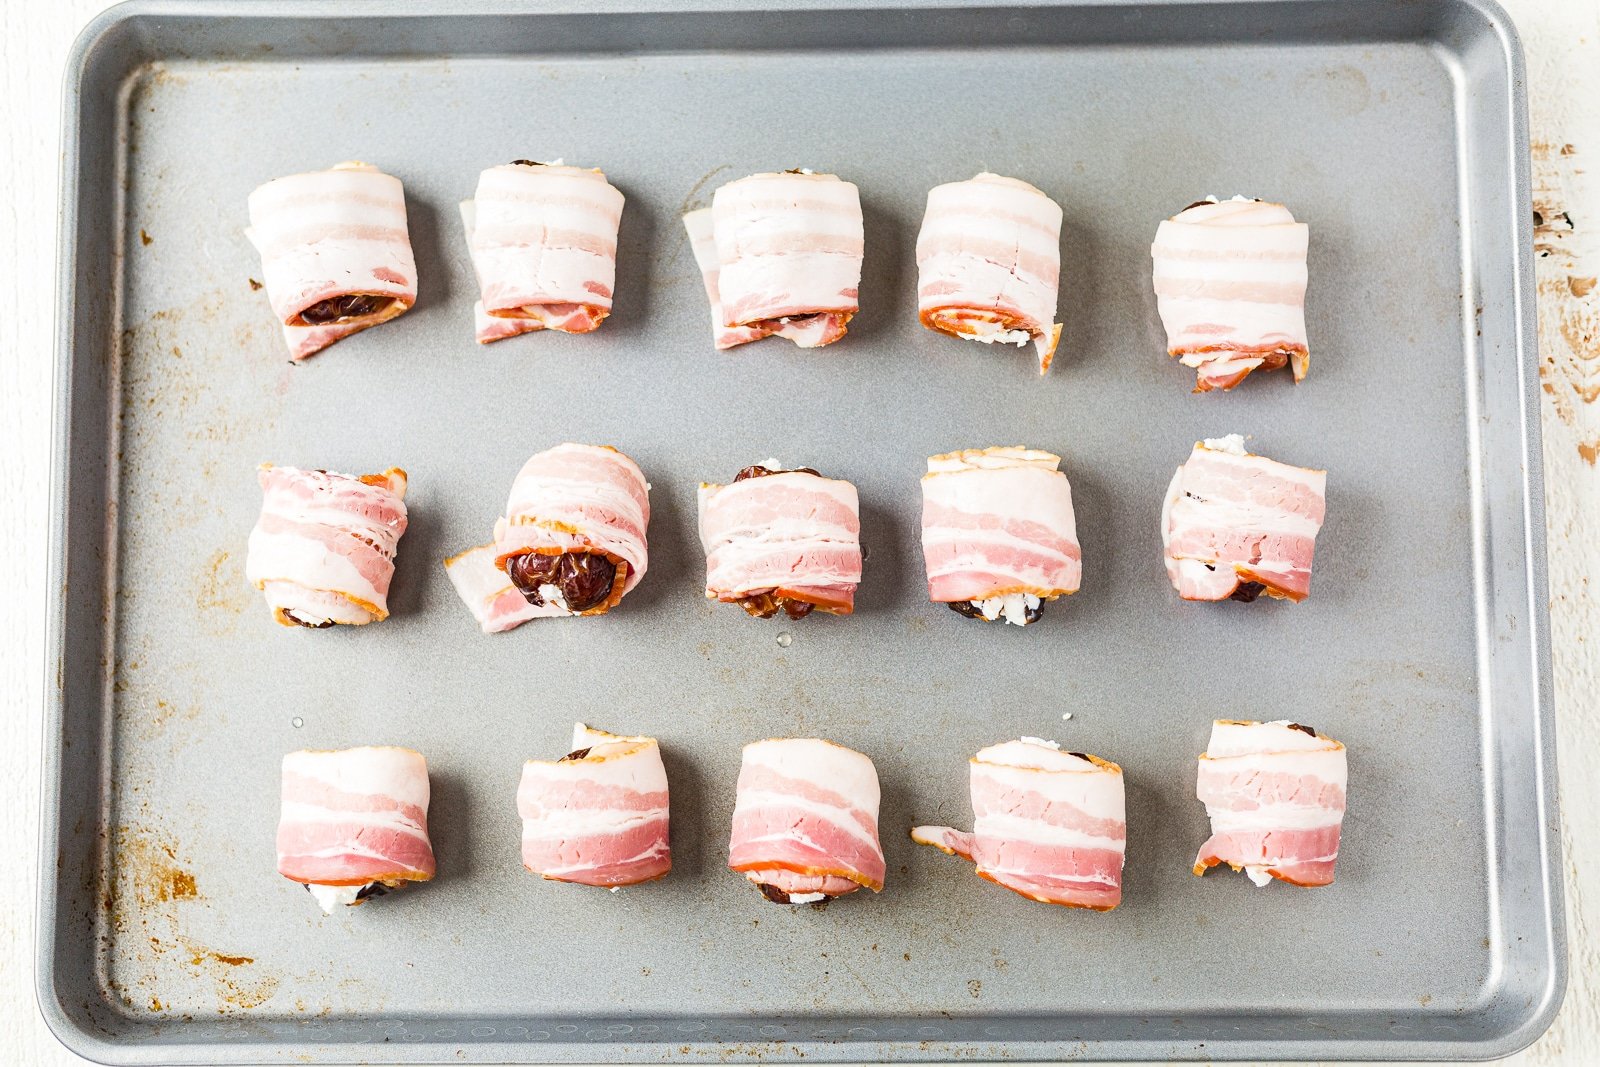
(1396, 131)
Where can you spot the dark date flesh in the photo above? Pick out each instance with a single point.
(298, 621)
(1246, 592)
(758, 471)
(1203, 203)
(766, 605)
(352, 306)
(584, 578)
(972, 611)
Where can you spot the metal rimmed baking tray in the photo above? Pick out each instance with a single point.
(1396, 131)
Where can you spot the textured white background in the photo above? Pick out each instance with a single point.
(1562, 38)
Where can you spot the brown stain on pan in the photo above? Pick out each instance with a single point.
(692, 200)
(221, 592)
(150, 896)
(147, 873)
(167, 388)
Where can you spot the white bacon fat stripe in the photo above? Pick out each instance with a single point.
(543, 239)
(327, 234)
(598, 819)
(998, 522)
(1048, 824)
(488, 593)
(487, 328)
(323, 548)
(1230, 282)
(805, 820)
(1275, 794)
(789, 246)
(1231, 517)
(793, 534)
(574, 498)
(353, 818)
(703, 243)
(989, 262)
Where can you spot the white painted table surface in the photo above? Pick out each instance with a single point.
(1562, 39)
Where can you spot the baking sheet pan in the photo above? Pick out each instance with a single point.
(1397, 132)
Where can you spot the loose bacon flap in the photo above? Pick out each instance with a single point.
(323, 549)
(998, 532)
(703, 243)
(1275, 793)
(805, 821)
(543, 239)
(1230, 282)
(1048, 824)
(356, 820)
(1235, 525)
(988, 262)
(487, 591)
(782, 539)
(598, 815)
(573, 535)
(789, 247)
(335, 254)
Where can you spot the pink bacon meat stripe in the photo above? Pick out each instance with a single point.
(1275, 794)
(335, 253)
(543, 239)
(570, 501)
(1235, 525)
(597, 816)
(323, 549)
(805, 821)
(1230, 282)
(354, 820)
(989, 262)
(788, 255)
(782, 539)
(1048, 824)
(998, 532)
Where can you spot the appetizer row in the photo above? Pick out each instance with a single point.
(999, 537)
(1048, 824)
(780, 255)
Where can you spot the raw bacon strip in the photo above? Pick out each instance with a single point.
(335, 254)
(989, 261)
(805, 821)
(354, 823)
(998, 533)
(1230, 282)
(789, 246)
(488, 593)
(568, 504)
(597, 816)
(543, 239)
(1275, 793)
(782, 539)
(1048, 824)
(1236, 525)
(323, 549)
(703, 242)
